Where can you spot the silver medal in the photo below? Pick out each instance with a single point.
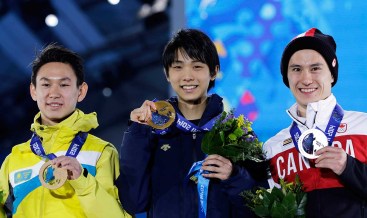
(311, 141)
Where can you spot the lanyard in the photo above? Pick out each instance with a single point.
(202, 187)
(331, 128)
(74, 148)
(183, 124)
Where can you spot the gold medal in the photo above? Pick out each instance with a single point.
(52, 177)
(164, 116)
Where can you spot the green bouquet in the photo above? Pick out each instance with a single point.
(288, 201)
(234, 139)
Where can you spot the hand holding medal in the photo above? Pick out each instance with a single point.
(52, 177)
(54, 173)
(159, 114)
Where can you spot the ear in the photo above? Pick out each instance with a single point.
(215, 73)
(32, 91)
(83, 89)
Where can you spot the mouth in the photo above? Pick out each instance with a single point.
(54, 105)
(189, 87)
(307, 90)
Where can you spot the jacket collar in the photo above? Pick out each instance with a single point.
(76, 122)
(213, 108)
(317, 114)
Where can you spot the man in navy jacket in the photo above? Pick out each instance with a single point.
(154, 166)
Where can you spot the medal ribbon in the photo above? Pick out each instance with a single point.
(183, 124)
(203, 183)
(331, 128)
(202, 186)
(74, 148)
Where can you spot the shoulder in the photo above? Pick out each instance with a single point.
(94, 142)
(20, 148)
(354, 115)
(280, 136)
(354, 122)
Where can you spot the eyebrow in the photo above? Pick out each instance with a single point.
(49, 79)
(312, 65)
(193, 61)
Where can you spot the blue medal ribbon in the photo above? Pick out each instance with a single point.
(202, 186)
(183, 124)
(203, 183)
(74, 148)
(331, 128)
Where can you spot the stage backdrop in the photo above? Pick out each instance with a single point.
(250, 37)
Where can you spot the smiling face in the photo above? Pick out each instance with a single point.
(56, 92)
(309, 78)
(189, 78)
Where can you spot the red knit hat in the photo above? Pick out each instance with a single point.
(311, 39)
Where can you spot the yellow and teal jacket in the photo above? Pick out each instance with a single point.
(93, 194)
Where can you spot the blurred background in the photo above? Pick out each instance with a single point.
(122, 41)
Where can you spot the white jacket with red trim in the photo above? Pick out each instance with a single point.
(329, 195)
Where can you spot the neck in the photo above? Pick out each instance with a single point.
(192, 111)
(301, 112)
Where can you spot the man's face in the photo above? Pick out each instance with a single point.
(56, 92)
(189, 79)
(309, 77)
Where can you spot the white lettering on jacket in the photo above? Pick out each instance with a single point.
(349, 148)
(185, 125)
(295, 162)
(291, 164)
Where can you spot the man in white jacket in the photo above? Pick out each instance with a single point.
(325, 145)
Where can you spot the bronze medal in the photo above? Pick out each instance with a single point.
(311, 141)
(164, 116)
(52, 177)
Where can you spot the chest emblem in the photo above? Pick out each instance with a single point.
(287, 141)
(342, 128)
(22, 176)
(165, 147)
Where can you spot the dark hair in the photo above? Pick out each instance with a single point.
(57, 53)
(197, 45)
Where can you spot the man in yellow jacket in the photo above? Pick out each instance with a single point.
(62, 171)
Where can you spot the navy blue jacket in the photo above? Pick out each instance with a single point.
(153, 177)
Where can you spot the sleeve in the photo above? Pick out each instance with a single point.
(7, 198)
(240, 181)
(98, 196)
(134, 181)
(4, 186)
(355, 176)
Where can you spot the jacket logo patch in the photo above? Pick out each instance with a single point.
(287, 141)
(165, 147)
(342, 128)
(22, 176)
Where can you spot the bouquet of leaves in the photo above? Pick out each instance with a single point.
(1, 200)
(288, 201)
(234, 139)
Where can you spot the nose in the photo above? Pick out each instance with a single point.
(188, 74)
(54, 91)
(307, 77)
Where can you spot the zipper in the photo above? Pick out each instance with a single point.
(194, 135)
